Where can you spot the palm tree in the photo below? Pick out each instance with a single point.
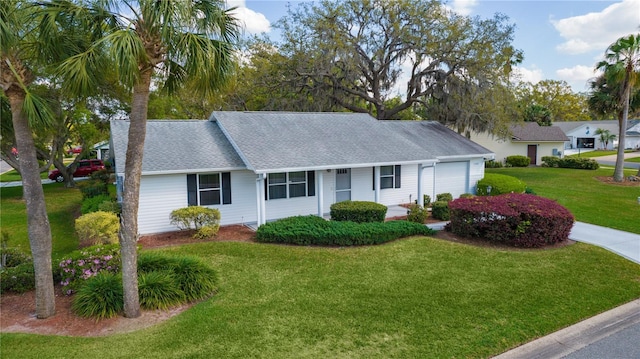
(605, 136)
(621, 65)
(169, 41)
(17, 63)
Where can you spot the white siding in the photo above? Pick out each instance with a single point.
(503, 148)
(408, 187)
(287, 207)
(362, 184)
(159, 195)
(476, 173)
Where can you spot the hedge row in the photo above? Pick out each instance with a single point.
(522, 220)
(518, 161)
(358, 211)
(313, 230)
(500, 184)
(570, 162)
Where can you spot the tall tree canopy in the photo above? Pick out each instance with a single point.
(621, 71)
(182, 43)
(360, 54)
(556, 96)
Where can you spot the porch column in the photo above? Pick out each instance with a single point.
(376, 180)
(420, 190)
(319, 192)
(433, 195)
(260, 195)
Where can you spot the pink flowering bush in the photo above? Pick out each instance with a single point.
(86, 263)
(521, 220)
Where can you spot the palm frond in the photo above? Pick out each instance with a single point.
(37, 110)
(127, 51)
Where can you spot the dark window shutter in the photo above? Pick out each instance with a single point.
(397, 174)
(311, 183)
(374, 178)
(266, 188)
(226, 187)
(192, 190)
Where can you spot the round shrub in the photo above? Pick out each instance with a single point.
(521, 220)
(12, 257)
(518, 161)
(100, 297)
(466, 195)
(159, 290)
(78, 266)
(417, 214)
(206, 221)
(18, 279)
(426, 201)
(500, 184)
(440, 210)
(446, 197)
(98, 228)
(492, 164)
(358, 211)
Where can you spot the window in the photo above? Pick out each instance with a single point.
(290, 184)
(389, 176)
(209, 189)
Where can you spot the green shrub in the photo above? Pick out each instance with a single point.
(78, 266)
(571, 162)
(103, 176)
(492, 164)
(426, 201)
(206, 221)
(358, 211)
(447, 197)
(518, 161)
(159, 290)
(11, 256)
(110, 206)
(500, 184)
(466, 195)
(92, 188)
(313, 230)
(98, 228)
(18, 279)
(417, 214)
(92, 204)
(100, 297)
(440, 210)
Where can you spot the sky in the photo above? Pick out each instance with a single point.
(561, 40)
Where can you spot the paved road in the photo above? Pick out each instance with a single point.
(4, 167)
(611, 160)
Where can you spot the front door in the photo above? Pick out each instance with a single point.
(343, 184)
(532, 153)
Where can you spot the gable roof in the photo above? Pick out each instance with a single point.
(177, 146)
(284, 141)
(531, 131)
(288, 141)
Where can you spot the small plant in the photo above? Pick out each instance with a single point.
(446, 197)
(11, 256)
(91, 188)
(426, 201)
(92, 204)
(417, 214)
(159, 290)
(18, 279)
(83, 264)
(518, 161)
(358, 211)
(98, 228)
(466, 195)
(100, 297)
(206, 221)
(492, 164)
(440, 210)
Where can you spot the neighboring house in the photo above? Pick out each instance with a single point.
(102, 150)
(527, 139)
(260, 166)
(581, 134)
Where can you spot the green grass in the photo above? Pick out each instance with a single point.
(14, 176)
(633, 159)
(412, 298)
(587, 198)
(598, 153)
(63, 205)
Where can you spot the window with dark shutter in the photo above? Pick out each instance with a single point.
(192, 190)
(226, 188)
(397, 176)
(311, 183)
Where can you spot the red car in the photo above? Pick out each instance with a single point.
(84, 169)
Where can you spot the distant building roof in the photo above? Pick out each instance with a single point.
(531, 131)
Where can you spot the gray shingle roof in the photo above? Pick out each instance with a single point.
(531, 131)
(286, 140)
(178, 146)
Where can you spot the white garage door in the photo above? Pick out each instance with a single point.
(451, 177)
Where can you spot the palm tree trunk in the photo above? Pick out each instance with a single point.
(131, 195)
(39, 230)
(618, 173)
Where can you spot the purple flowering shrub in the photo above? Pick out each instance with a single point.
(521, 220)
(86, 263)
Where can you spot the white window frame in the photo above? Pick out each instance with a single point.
(392, 175)
(287, 183)
(212, 189)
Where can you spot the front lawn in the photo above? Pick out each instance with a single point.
(589, 199)
(412, 298)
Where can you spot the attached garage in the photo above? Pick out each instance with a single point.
(452, 177)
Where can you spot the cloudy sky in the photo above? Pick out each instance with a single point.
(561, 40)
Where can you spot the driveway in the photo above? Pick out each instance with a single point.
(611, 160)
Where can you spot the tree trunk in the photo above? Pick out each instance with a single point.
(618, 173)
(131, 195)
(39, 230)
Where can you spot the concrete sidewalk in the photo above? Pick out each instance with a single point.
(622, 243)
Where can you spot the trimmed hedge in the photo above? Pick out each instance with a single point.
(446, 197)
(521, 220)
(500, 184)
(358, 211)
(440, 210)
(518, 161)
(313, 230)
(570, 162)
(417, 214)
(205, 221)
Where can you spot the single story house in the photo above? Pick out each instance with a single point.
(260, 166)
(526, 139)
(102, 150)
(582, 134)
